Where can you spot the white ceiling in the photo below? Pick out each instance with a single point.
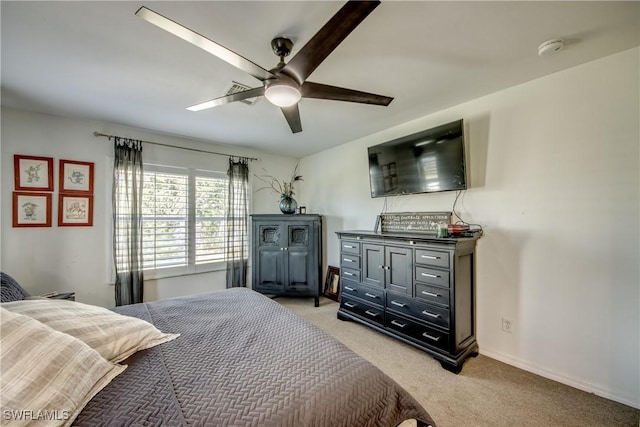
(97, 60)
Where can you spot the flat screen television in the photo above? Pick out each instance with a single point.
(425, 162)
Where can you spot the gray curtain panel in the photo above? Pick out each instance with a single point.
(127, 220)
(236, 252)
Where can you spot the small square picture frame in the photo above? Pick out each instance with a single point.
(75, 210)
(332, 283)
(33, 173)
(31, 209)
(75, 177)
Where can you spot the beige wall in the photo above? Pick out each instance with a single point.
(78, 259)
(554, 180)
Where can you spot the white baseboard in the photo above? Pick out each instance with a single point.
(560, 377)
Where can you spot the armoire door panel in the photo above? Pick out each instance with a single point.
(298, 236)
(271, 268)
(270, 235)
(298, 269)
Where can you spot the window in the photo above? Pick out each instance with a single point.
(211, 205)
(183, 220)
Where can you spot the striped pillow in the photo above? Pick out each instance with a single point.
(47, 376)
(113, 335)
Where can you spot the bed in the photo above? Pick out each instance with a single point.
(242, 359)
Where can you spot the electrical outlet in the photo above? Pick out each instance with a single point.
(507, 325)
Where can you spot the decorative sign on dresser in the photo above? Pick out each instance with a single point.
(414, 287)
(412, 222)
(287, 255)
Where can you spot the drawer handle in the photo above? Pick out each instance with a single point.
(431, 294)
(349, 288)
(431, 337)
(399, 304)
(398, 324)
(348, 260)
(346, 273)
(429, 257)
(349, 305)
(349, 247)
(371, 313)
(430, 275)
(370, 295)
(435, 316)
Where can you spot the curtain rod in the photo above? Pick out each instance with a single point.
(97, 134)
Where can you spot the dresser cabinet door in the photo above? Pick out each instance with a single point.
(398, 274)
(373, 265)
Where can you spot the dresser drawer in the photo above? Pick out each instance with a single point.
(401, 289)
(372, 295)
(431, 257)
(350, 261)
(369, 312)
(350, 274)
(350, 247)
(432, 294)
(417, 331)
(423, 311)
(433, 276)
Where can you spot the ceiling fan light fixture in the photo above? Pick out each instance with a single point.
(282, 94)
(283, 85)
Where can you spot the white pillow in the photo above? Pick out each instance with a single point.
(47, 376)
(113, 335)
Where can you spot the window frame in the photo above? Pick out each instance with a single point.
(191, 267)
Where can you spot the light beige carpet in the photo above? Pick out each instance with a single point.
(485, 393)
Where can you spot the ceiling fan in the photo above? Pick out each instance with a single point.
(285, 84)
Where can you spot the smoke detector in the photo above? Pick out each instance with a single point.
(550, 47)
(235, 87)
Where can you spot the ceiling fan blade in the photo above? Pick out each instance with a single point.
(238, 96)
(328, 38)
(292, 114)
(204, 43)
(322, 91)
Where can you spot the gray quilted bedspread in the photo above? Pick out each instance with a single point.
(244, 360)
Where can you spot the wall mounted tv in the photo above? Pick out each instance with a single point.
(429, 161)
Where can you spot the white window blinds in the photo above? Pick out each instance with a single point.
(211, 206)
(183, 219)
(165, 220)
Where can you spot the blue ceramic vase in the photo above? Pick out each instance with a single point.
(288, 204)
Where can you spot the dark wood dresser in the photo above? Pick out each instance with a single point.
(286, 254)
(415, 288)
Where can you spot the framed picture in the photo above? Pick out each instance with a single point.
(33, 173)
(332, 283)
(31, 209)
(76, 177)
(75, 210)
